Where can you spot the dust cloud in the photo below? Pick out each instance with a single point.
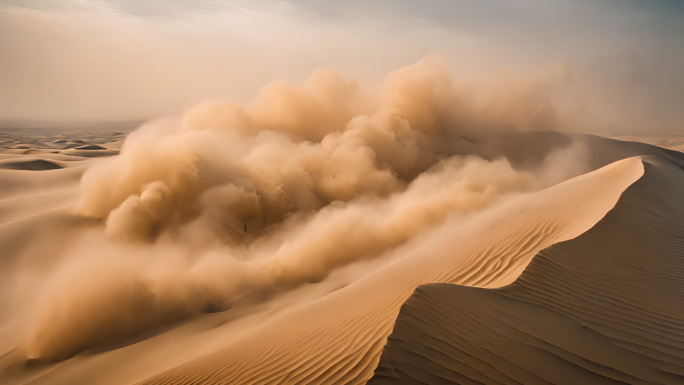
(236, 201)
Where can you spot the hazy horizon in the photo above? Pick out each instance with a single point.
(616, 63)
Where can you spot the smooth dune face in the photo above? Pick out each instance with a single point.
(605, 307)
(338, 339)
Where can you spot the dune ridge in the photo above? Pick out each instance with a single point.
(35, 164)
(606, 307)
(338, 338)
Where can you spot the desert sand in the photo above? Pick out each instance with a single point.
(605, 307)
(240, 192)
(335, 331)
(325, 243)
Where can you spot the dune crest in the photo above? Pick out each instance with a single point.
(603, 308)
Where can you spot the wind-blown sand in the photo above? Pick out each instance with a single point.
(327, 334)
(606, 307)
(338, 338)
(277, 242)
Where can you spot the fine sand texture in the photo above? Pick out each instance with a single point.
(604, 308)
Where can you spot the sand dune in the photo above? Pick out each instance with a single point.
(29, 164)
(673, 141)
(338, 338)
(29, 175)
(91, 147)
(39, 140)
(90, 152)
(606, 307)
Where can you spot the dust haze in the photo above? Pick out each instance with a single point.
(231, 202)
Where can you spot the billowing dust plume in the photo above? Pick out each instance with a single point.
(233, 201)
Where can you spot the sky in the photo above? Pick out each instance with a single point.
(117, 60)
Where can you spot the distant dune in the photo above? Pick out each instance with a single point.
(674, 141)
(28, 164)
(91, 147)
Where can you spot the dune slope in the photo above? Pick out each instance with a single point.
(339, 338)
(606, 307)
